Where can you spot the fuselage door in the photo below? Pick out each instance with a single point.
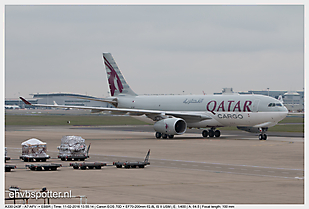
(256, 105)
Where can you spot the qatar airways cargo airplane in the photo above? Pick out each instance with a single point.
(173, 114)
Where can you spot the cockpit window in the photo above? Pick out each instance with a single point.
(274, 104)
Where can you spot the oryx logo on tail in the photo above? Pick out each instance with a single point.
(112, 76)
(117, 83)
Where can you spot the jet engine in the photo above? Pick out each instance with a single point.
(171, 126)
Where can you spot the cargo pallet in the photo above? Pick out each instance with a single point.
(45, 167)
(8, 168)
(89, 165)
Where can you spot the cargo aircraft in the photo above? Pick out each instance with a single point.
(173, 114)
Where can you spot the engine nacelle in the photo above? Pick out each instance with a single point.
(252, 129)
(171, 126)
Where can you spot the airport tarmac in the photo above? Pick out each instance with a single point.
(236, 168)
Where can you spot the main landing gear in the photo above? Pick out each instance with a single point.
(164, 136)
(262, 135)
(211, 133)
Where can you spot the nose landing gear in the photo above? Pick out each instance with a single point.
(262, 135)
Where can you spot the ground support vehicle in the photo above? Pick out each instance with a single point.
(89, 165)
(6, 158)
(31, 158)
(45, 167)
(72, 157)
(5, 155)
(137, 164)
(8, 168)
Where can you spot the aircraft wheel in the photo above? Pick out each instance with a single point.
(211, 133)
(170, 136)
(158, 135)
(262, 137)
(205, 133)
(217, 133)
(164, 136)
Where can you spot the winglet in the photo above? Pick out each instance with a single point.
(25, 101)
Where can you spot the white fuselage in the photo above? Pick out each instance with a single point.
(225, 110)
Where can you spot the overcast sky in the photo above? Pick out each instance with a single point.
(159, 49)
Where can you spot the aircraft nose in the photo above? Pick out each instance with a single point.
(284, 112)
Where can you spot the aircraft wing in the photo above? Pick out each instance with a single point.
(153, 114)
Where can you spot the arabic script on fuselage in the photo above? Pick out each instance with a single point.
(188, 101)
